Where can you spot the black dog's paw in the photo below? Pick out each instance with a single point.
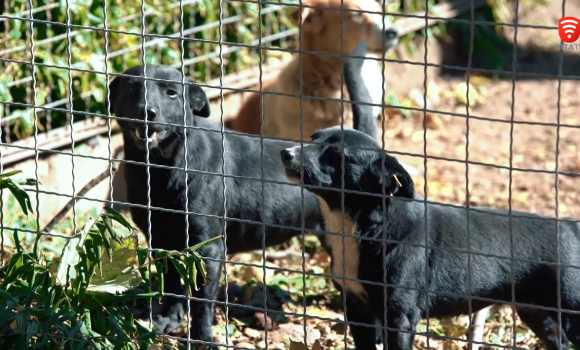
(379, 338)
(168, 318)
(139, 307)
(206, 346)
(166, 324)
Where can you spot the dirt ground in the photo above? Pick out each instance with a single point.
(529, 132)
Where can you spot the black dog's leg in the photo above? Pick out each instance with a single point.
(379, 336)
(572, 328)
(203, 311)
(358, 311)
(403, 333)
(545, 327)
(571, 301)
(172, 310)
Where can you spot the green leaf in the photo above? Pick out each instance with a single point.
(115, 215)
(5, 296)
(70, 255)
(202, 244)
(192, 271)
(21, 321)
(160, 275)
(124, 260)
(106, 235)
(20, 195)
(10, 173)
(32, 330)
(109, 224)
(15, 34)
(7, 312)
(179, 265)
(118, 285)
(120, 334)
(200, 266)
(147, 336)
(82, 344)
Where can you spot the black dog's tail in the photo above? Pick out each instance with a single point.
(362, 115)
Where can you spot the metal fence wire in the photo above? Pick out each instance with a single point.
(467, 141)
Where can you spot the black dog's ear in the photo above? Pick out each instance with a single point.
(392, 175)
(113, 90)
(197, 100)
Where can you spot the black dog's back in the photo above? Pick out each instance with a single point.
(435, 258)
(484, 259)
(527, 244)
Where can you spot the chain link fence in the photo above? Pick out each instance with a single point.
(480, 102)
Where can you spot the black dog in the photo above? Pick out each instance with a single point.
(284, 211)
(409, 225)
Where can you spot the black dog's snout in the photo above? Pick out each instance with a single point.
(391, 34)
(151, 113)
(287, 156)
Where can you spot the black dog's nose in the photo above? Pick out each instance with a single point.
(391, 34)
(286, 155)
(151, 113)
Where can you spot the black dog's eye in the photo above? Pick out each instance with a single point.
(132, 87)
(172, 93)
(336, 149)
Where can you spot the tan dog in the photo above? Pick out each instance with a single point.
(321, 74)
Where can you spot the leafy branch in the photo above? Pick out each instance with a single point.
(80, 299)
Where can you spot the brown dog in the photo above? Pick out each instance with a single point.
(321, 74)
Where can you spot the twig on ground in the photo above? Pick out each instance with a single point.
(477, 327)
(281, 255)
(94, 182)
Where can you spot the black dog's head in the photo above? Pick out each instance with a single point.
(365, 170)
(164, 104)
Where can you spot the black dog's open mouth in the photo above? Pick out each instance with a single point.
(293, 173)
(153, 135)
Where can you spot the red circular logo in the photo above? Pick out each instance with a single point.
(569, 29)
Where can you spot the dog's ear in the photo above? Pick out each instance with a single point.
(197, 100)
(310, 18)
(113, 90)
(392, 175)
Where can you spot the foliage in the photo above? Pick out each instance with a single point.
(89, 45)
(80, 299)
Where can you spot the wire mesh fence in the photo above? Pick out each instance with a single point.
(88, 40)
(136, 106)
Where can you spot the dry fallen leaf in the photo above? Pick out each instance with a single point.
(252, 333)
(404, 133)
(433, 121)
(294, 345)
(322, 259)
(245, 345)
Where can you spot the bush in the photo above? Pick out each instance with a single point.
(89, 44)
(81, 298)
